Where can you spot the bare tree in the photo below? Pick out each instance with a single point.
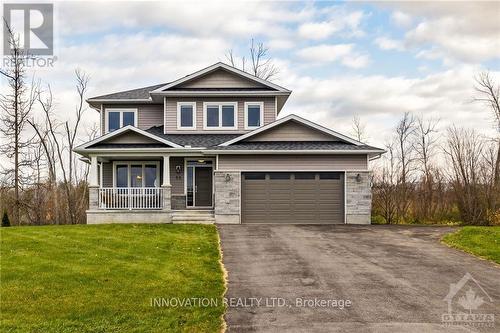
(262, 65)
(359, 129)
(385, 187)
(488, 92)
(16, 107)
(405, 155)
(58, 142)
(464, 150)
(425, 143)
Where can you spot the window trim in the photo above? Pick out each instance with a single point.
(121, 111)
(143, 164)
(220, 127)
(186, 128)
(261, 105)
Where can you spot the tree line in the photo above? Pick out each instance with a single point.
(42, 180)
(433, 175)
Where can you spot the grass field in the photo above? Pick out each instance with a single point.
(480, 241)
(102, 278)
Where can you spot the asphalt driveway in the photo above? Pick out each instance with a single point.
(294, 278)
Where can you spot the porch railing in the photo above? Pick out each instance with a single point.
(131, 198)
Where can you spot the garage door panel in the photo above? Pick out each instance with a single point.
(280, 198)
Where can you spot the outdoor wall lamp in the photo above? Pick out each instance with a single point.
(228, 177)
(178, 168)
(358, 178)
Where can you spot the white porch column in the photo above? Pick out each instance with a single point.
(93, 174)
(166, 170)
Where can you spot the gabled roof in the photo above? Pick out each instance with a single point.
(214, 67)
(123, 130)
(296, 118)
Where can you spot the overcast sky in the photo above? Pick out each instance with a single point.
(375, 60)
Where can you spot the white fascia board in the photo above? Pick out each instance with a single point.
(257, 152)
(217, 66)
(298, 119)
(160, 151)
(115, 100)
(122, 130)
(221, 93)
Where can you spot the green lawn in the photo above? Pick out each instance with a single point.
(102, 278)
(480, 241)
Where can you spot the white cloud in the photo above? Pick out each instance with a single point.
(347, 23)
(380, 100)
(465, 31)
(447, 36)
(231, 19)
(280, 44)
(386, 43)
(324, 53)
(401, 19)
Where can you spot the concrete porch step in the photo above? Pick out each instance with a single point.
(193, 216)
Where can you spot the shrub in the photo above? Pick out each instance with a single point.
(5, 219)
(378, 219)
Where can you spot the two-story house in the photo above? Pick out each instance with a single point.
(210, 147)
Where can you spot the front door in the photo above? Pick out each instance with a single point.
(203, 187)
(199, 183)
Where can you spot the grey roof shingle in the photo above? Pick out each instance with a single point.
(294, 145)
(193, 140)
(140, 93)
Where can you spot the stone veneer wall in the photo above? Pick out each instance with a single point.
(227, 196)
(178, 202)
(358, 198)
(93, 197)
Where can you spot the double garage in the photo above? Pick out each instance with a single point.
(292, 197)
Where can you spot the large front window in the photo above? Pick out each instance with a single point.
(220, 115)
(137, 174)
(118, 118)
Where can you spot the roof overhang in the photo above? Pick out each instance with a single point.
(98, 102)
(219, 93)
(289, 118)
(294, 151)
(84, 148)
(226, 67)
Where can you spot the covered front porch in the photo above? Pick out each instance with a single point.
(156, 182)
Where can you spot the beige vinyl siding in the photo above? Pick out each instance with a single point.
(292, 162)
(177, 179)
(107, 174)
(148, 115)
(220, 79)
(171, 112)
(292, 131)
(130, 137)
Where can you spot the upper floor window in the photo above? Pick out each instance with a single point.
(254, 114)
(118, 118)
(186, 115)
(220, 115)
